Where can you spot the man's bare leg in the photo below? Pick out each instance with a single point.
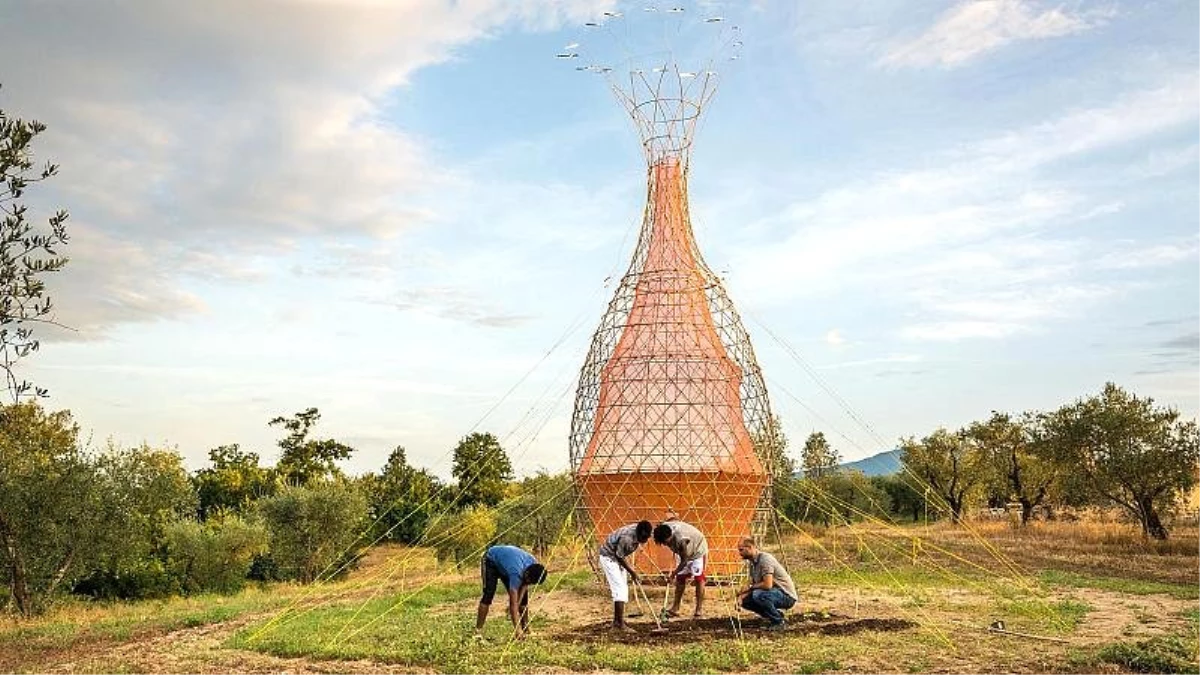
(680, 584)
(524, 605)
(618, 623)
(481, 616)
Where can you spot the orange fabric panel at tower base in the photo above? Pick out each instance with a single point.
(669, 431)
(720, 505)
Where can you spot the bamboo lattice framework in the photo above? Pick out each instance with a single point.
(671, 411)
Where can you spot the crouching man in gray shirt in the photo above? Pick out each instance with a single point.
(770, 589)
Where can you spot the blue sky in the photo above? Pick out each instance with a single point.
(410, 215)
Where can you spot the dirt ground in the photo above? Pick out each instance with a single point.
(580, 617)
(691, 631)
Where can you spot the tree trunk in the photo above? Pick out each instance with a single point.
(20, 588)
(18, 584)
(955, 510)
(61, 572)
(1151, 525)
(1026, 510)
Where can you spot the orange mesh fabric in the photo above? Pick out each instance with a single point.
(669, 428)
(721, 505)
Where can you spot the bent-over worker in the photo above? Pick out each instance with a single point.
(517, 570)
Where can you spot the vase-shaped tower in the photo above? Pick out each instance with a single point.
(671, 412)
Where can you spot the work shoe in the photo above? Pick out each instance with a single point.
(782, 625)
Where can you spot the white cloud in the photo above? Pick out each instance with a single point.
(949, 331)
(891, 358)
(1175, 386)
(1157, 255)
(1164, 162)
(1002, 288)
(1171, 104)
(982, 244)
(114, 280)
(860, 235)
(229, 130)
(980, 188)
(981, 311)
(975, 27)
(1188, 343)
(449, 302)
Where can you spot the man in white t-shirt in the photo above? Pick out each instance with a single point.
(621, 544)
(690, 549)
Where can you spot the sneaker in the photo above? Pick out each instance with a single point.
(782, 625)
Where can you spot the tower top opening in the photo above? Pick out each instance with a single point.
(661, 62)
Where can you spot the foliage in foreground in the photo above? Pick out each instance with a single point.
(402, 499)
(27, 254)
(538, 514)
(67, 515)
(1159, 654)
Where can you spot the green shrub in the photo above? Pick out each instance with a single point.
(463, 536)
(402, 499)
(213, 556)
(538, 514)
(134, 580)
(1159, 654)
(314, 531)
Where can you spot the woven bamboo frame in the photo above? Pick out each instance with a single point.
(671, 412)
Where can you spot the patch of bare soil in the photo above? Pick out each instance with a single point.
(691, 631)
(1118, 616)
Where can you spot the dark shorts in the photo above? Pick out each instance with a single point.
(490, 574)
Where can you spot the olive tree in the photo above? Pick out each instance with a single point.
(27, 252)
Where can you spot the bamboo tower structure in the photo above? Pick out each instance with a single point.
(671, 411)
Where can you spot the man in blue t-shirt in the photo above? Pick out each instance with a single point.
(517, 570)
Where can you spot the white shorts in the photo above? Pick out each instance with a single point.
(693, 570)
(615, 574)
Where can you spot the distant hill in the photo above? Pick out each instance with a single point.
(876, 465)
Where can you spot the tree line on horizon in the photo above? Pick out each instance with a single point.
(134, 523)
(1112, 450)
